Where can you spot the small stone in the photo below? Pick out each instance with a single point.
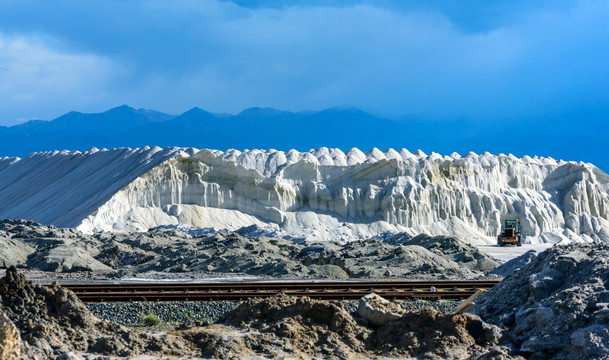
(69, 356)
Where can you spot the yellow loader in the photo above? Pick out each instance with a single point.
(510, 233)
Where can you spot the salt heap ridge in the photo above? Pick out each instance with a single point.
(326, 194)
(63, 187)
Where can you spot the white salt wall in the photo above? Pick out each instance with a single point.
(328, 194)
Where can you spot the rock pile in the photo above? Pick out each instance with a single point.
(516, 263)
(557, 305)
(183, 312)
(38, 247)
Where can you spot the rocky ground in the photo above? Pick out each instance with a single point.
(551, 305)
(557, 305)
(52, 323)
(37, 247)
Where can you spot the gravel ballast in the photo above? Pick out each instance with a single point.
(133, 313)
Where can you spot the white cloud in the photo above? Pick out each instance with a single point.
(38, 79)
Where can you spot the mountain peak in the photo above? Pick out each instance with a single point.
(345, 110)
(195, 110)
(260, 112)
(122, 109)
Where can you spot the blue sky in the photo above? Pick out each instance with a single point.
(488, 62)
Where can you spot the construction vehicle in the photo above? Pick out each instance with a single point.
(510, 233)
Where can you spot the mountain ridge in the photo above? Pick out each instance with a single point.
(266, 128)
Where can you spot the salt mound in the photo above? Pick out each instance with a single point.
(62, 188)
(556, 306)
(325, 194)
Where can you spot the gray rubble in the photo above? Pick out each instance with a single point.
(517, 263)
(556, 306)
(166, 251)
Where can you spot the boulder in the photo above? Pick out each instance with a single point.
(67, 258)
(9, 339)
(13, 252)
(378, 311)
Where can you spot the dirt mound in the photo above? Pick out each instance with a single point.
(286, 326)
(430, 334)
(283, 326)
(53, 321)
(556, 306)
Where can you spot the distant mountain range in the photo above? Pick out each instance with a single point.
(124, 126)
(268, 128)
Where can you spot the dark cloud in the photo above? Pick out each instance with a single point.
(478, 60)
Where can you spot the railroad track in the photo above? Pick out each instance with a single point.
(237, 291)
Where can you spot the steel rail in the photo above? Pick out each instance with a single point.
(236, 291)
